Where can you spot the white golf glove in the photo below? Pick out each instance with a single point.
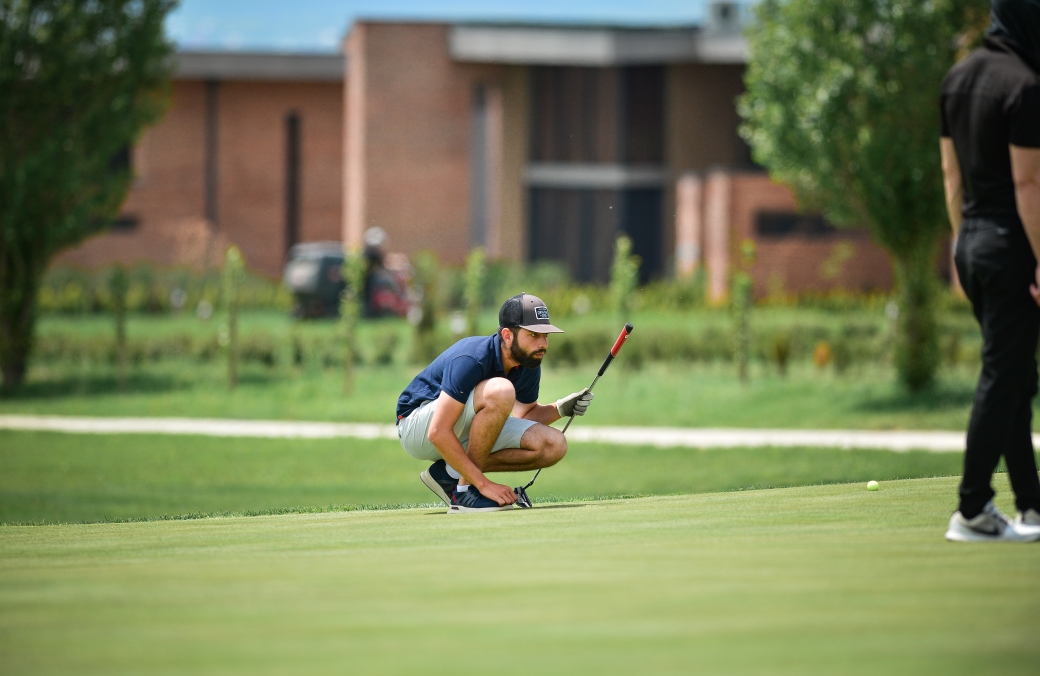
(574, 404)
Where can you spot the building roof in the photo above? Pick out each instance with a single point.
(259, 66)
(594, 46)
(540, 44)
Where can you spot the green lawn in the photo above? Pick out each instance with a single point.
(811, 580)
(53, 477)
(665, 394)
(700, 395)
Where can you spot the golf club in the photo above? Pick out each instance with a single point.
(521, 491)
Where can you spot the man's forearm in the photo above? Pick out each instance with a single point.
(954, 200)
(546, 415)
(953, 187)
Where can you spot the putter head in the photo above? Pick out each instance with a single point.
(522, 501)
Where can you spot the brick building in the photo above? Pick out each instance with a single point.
(537, 142)
(250, 151)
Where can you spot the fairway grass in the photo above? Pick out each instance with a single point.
(48, 477)
(810, 580)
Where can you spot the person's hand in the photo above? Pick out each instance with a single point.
(503, 495)
(1034, 289)
(574, 404)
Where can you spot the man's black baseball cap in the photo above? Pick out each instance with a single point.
(527, 312)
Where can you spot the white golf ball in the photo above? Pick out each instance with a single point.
(872, 485)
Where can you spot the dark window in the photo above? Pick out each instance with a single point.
(597, 116)
(292, 180)
(579, 227)
(641, 221)
(478, 167)
(120, 162)
(573, 114)
(642, 108)
(212, 119)
(783, 224)
(125, 223)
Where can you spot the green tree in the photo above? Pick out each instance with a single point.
(842, 105)
(742, 298)
(233, 273)
(118, 285)
(78, 82)
(427, 271)
(624, 277)
(351, 307)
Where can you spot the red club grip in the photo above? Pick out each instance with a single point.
(620, 340)
(614, 350)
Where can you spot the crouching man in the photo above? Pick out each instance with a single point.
(475, 410)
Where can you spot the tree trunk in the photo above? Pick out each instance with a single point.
(917, 340)
(17, 319)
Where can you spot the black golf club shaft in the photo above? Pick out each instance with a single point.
(602, 369)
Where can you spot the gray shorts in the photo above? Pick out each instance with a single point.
(413, 431)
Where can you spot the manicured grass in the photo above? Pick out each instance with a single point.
(683, 395)
(53, 477)
(812, 580)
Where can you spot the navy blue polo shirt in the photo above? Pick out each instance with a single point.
(460, 368)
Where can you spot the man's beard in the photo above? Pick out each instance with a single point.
(526, 359)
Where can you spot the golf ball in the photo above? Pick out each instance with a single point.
(872, 485)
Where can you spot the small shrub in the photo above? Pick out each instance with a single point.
(258, 349)
(624, 275)
(386, 346)
(841, 353)
(781, 351)
(822, 354)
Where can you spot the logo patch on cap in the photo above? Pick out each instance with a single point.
(541, 312)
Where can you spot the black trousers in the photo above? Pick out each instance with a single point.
(996, 266)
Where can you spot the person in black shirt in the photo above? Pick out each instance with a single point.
(990, 145)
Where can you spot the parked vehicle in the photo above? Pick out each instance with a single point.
(314, 275)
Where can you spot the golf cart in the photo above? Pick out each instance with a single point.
(314, 275)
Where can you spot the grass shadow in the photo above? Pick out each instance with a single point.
(139, 381)
(939, 398)
(78, 386)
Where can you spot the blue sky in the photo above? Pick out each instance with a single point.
(318, 25)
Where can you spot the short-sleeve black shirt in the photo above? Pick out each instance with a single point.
(990, 100)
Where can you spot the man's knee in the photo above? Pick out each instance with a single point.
(553, 446)
(498, 394)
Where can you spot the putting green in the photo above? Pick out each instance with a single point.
(52, 477)
(825, 579)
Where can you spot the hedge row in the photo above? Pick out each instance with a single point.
(153, 290)
(852, 344)
(73, 291)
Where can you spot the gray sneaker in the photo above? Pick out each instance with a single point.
(990, 526)
(1030, 517)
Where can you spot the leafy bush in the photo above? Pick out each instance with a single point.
(68, 290)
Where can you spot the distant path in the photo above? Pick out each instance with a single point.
(939, 442)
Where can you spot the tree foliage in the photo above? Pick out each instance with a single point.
(79, 80)
(842, 105)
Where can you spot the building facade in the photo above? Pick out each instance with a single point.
(535, 142)
(250, 152)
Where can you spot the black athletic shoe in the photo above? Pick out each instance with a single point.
(473, 501)
(439, 481)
